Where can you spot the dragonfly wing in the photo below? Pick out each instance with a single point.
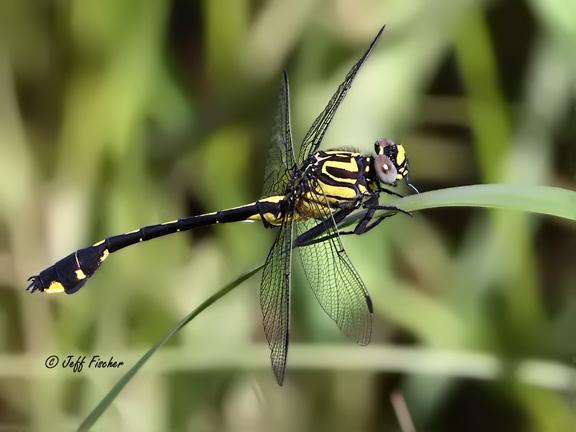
(275, 298)
(281, 160)
(315, 134)
(333, 278)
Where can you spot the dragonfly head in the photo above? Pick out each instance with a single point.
(391, 163)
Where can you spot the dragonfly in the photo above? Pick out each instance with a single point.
(306, 197)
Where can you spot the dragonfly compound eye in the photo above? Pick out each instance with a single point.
(385, 169)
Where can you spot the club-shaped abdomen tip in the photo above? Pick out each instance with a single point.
(70, 273)
(64, 276)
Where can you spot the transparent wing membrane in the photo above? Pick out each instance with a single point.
(333, 279)
(315, 134)
(275, 298)
(281, 160)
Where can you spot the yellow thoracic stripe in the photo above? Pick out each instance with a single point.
(401, 156)
(350, 166)
(335, 192)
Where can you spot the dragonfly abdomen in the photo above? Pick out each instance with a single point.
(72, 272)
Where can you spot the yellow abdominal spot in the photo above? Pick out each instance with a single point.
(271, 218)
(104, 255)
(401, 156)
(80, 274)
(55, 287)
(340, 192)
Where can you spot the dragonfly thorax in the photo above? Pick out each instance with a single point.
(331, 179)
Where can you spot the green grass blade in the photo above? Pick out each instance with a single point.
(546, 200)
(103, 405)
(535, 199)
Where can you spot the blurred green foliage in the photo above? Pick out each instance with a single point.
(118, 114)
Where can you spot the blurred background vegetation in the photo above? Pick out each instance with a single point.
(120, 113)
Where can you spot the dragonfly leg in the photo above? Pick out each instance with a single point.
(390, 192)
(312, 235)
(372, 203)
(369, 224)
(307, 242)
(362, 227)
(390, 208)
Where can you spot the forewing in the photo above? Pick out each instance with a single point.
(275, 298)
(281, 160)
(316, 133)
(333, 279)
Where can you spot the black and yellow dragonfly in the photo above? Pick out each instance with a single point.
(305, 198)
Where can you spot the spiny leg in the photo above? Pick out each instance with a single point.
(310, 237)
(390, 192)
(390, 208)
(363, 228)
(366, 224)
